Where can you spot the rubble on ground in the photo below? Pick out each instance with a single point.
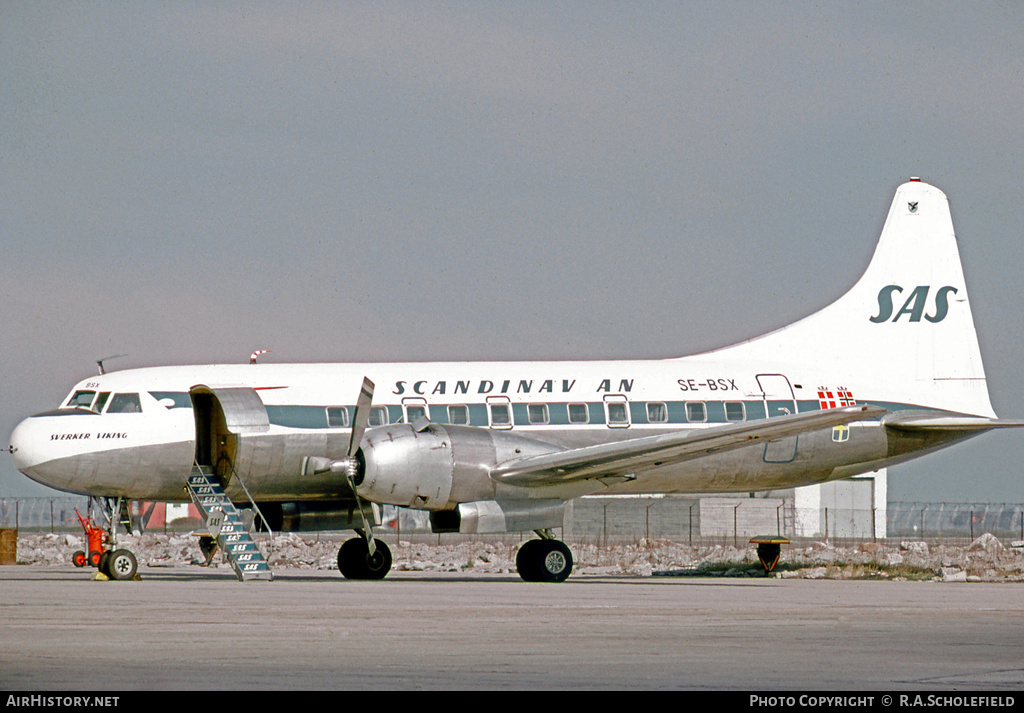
(986, 559)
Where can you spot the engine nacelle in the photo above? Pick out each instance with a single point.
(490, 516)
(316, 516)
(435, 467)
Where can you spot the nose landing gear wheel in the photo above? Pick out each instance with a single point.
(122, 565)
(103, 562)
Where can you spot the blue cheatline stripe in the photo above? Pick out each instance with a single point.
(315, 417)
(298, 416)
(557, 413)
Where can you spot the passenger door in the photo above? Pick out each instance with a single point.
(779, 400)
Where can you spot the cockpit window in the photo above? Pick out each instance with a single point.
(101, 401)
(125, 403)
(81, 399)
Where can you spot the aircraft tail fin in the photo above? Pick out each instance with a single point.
(906, 325)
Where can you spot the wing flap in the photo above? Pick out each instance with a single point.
(637, 454)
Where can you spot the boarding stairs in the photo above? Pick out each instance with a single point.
(225, 525)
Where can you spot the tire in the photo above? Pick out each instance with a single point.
(94, 558)
(122, 565)
(104, 561)
(544, 561)
(526, 561)
(356, 562)
(78, 559)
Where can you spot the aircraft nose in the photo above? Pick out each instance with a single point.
(23, 445)
(48, 450)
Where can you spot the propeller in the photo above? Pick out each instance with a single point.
(350, 465)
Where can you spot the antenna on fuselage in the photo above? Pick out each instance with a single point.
(99, 362)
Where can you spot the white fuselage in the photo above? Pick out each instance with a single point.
(559, 405)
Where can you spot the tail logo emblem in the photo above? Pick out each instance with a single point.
(914, 306)
(912, 206)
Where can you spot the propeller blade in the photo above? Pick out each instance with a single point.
(359, 420)
(367, 529)
(362, 415)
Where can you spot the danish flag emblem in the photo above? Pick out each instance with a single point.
(834, 398)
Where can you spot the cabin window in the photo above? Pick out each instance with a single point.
(695, 412)
(81, 399)
(578, 413)
(617, 412)
(537, 413)
(501, 415)
(125, 403)
(458, 415)
(378, 416)
(414, 412)
(657, 413)
(734, 411)
(337, 417)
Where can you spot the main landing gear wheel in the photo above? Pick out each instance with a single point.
(122, 565)
(544, 561)
(356, 562)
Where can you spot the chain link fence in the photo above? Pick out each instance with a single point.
(617, 520)
(735, 520)
(43, 514)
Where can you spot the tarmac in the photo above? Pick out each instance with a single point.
(190, 629)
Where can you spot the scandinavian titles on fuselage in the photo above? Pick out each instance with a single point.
(426, 387)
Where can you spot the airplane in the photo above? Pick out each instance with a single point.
(888, 372)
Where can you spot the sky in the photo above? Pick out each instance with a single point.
(185, 182)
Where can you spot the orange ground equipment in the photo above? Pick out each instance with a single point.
(116, 564)
(97, 538)
(769, 547)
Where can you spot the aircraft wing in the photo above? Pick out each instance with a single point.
(631, 456)
(937, 421)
